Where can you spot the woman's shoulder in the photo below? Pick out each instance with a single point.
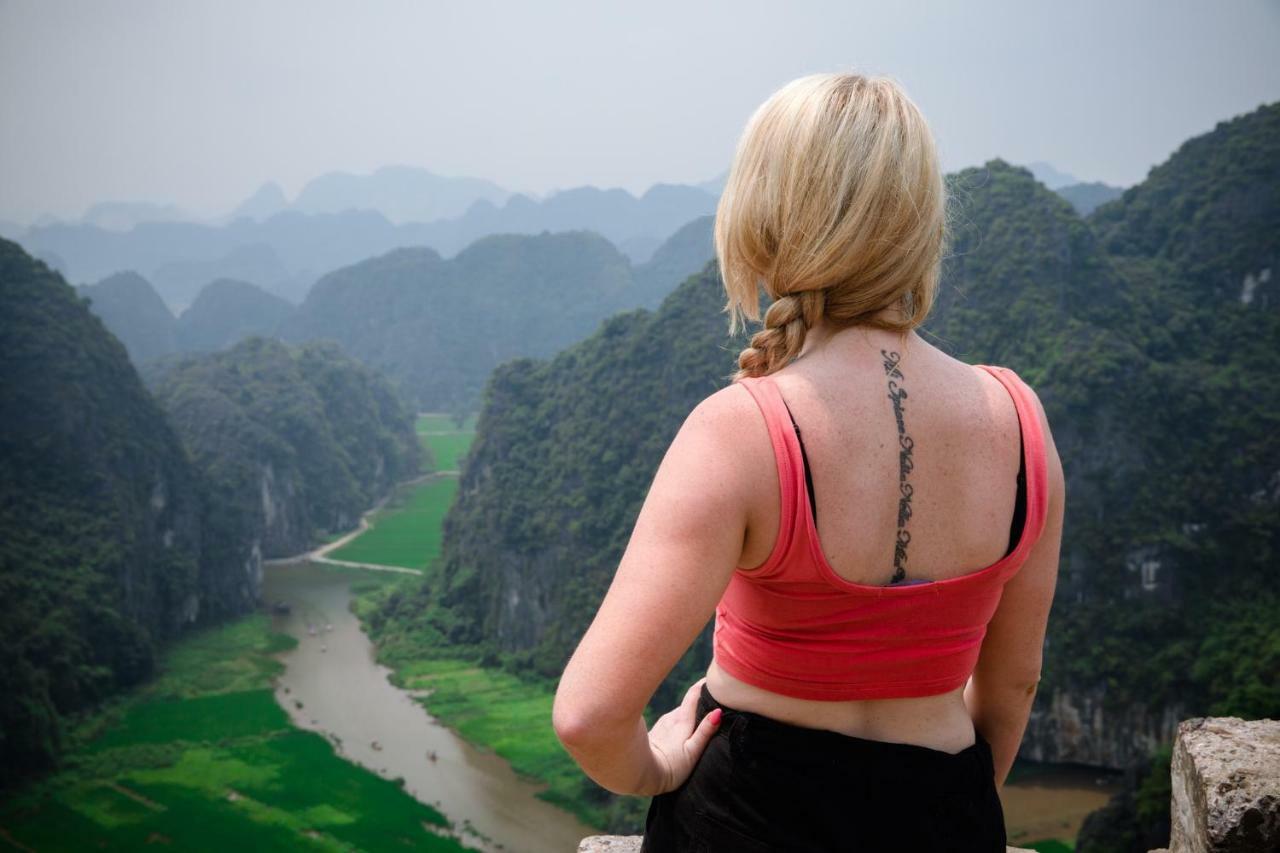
(1021, 387)
(724, 446)
(727, 411)
(734, 421)
(1016, 384)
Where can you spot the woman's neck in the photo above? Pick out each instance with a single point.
(825, 338)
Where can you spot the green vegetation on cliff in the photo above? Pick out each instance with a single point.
(295, 442)
(113, 540)
(438, 327)
(563, 455)
(226, 312)
(129, 306)
(101, 557)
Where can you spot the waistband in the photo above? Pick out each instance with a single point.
(752, 733)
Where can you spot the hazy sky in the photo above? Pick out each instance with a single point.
(199, 103)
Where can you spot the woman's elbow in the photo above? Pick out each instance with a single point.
(573, 715)
(580, 723)
(571, 723)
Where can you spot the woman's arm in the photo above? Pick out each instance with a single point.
(686, 543)
(1003, 687)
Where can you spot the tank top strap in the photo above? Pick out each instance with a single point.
(790, 468)
(1034, 455)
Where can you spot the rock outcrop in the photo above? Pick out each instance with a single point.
(1077, 726)
(1226, 786)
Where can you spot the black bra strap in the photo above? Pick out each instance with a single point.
(1019, 506)
(808, 476)
(1020, 502)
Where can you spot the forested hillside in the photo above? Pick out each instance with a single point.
(1150, 332)
(101, 546)
(564, 454)
(226, 312)
(435, 327)
(1085, 198)
(682, 254)
(131, 309)
(118, 531)
(294, 443)
(438, 327)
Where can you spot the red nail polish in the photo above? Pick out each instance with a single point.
(715, 717)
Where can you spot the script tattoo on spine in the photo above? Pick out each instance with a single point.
(897, 394)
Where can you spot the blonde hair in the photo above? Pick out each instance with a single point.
(836, 205)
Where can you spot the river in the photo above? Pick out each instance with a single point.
(344, 694)
(1051, 801)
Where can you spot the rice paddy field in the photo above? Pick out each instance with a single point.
(205, 759)
(445, 438)
(407, 531)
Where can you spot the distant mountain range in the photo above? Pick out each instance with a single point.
(434, 326)
(285, 251)
(1084, 196)
(400, 193)
(340, 218)
(225, 312)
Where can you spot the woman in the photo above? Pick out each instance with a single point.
(875, 663)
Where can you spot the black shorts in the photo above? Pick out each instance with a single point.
(764, 785)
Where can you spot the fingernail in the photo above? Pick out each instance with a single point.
(715, 717)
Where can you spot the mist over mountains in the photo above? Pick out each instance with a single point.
(434, 326)
(400, 193)
(340, 219)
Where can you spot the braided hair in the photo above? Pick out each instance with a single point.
(836, 206)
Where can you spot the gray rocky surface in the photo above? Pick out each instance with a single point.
(1226, 786)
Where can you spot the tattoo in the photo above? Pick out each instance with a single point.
(905, 464)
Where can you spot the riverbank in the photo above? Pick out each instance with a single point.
(333, 685)
(203, 758)
(501, 712)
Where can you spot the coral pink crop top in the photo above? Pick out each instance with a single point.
(793, 626)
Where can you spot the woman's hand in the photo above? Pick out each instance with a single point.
(675, 744)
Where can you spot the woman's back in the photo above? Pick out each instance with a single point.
(965, 455)
(839, 711)
(914, 461)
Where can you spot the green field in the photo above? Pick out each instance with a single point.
(446, 447)
(444, 439)
(408, 531)
(512, 717)
(204, 759)
(439, 422)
